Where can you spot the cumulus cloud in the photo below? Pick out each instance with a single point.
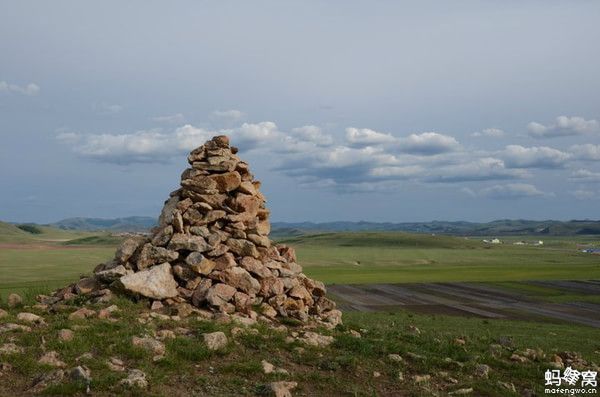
(362, 160)
(30, 89)
(583, 175)
(228, 116)
(367, 137)
(489, 132)
(138, 147)
(428, 143)
(177, 118)
(586, 152)
(516, 156)
(312, 133)
(563, 126)
(474, 170)
(511, 191)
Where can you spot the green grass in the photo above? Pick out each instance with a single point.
(405, 258)
(344, 368)
(331, 257)
(24, 268)
(95, 240)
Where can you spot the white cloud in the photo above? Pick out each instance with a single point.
(30, 89)
(474, 170)
(367, 137)
(250, 135)
(228, 116)
(312, 157)
(563, 126)
(489, 132)
(582, 194)
(512, 191)
(428, 143)
(516, 156)
(177, 118)
(583, 175)
(138, 147)
(586, 151)
(312, 133)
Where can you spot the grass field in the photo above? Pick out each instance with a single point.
(47, 260)
(439, 355)
(405, 258)
(32, 264)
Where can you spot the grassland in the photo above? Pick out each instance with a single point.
(440, 355)
(46, 260)
(351, 366)
(347, 258)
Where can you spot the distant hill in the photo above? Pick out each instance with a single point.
(31, 233)
(128, 224)
(502, 227)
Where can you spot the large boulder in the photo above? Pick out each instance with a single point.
(155, 283)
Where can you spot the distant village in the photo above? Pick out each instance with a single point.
(522, 242)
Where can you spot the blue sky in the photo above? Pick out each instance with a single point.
(346, 110)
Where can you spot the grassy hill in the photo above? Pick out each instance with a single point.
(127, 224)
(502, 227)
(10, 233)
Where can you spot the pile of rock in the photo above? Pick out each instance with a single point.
(212, 252)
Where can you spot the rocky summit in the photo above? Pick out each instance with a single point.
(211, 253)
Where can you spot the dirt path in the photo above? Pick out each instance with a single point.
(471, 299)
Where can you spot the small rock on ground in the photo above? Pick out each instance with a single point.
(282, 388)
(65, 335)
(51, 358)
(14, 300)
(135, 378)
(215, 340)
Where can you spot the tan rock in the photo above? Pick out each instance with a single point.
(86, 285)
(14, 300)
(199, 263)
(255, 267)
(11, 327)
(190, 243)
(316, 339)
(3, 313)
(219, 294)
(127, 249)
(215, 340)
(240, 279)
(152, 345)
(242, 247)
(106, 312)
(115, 364)
(65, 335)
(163, 236)
(30, 318)
(282, 388)
(11, 348)
(225, 261)
(155, 283)
(52, 359)
(227, 182)
(150, 255)
(81, 314)
(135, 378)
(200, 294)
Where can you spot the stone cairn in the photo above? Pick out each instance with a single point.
(211, 253)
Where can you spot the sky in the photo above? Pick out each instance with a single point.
(346, 110)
